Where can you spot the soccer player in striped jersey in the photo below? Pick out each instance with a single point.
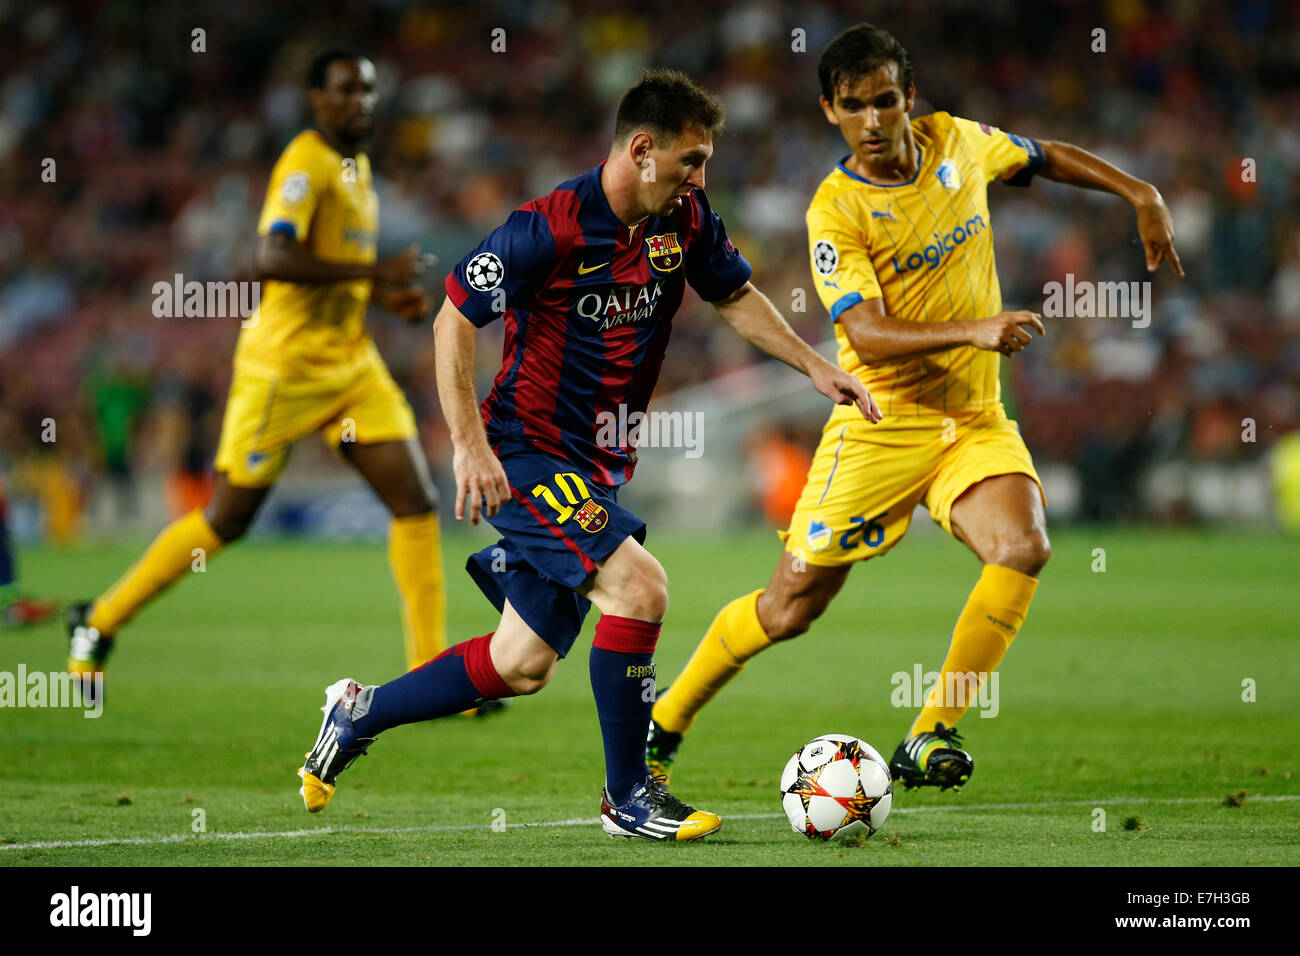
(304, 363)
(587, 280)
(901, 246)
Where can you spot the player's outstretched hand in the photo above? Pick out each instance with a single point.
(402, 269)
(411, 304)
(1006, 332)
(481, 479)
(1156, 228)
(844, 389)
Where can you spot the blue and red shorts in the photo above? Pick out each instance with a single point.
(557, 526)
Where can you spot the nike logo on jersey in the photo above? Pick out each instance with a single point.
(584, 270)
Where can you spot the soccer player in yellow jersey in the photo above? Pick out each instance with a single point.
(901, 244)
(305, 363)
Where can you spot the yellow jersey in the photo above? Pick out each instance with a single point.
(314, 331)
(926, 248)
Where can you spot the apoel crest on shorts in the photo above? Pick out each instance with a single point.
(665, 251)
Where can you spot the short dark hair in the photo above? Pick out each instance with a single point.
(857, 52)
(668, 102)
(318, 72)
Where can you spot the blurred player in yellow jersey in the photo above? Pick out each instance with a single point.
(305, 363)
(901, 244)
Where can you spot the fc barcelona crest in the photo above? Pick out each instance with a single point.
(591, 516)
(665, 251)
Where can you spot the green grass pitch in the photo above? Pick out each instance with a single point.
(1124, 692)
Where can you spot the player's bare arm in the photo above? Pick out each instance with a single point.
(757, 321)
(1074, 166)
(879, 337)
(479, 475)
(282, 259)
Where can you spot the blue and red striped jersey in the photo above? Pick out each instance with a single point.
(588, 306)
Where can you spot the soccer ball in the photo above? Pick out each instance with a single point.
(485, 272)
(836, 786)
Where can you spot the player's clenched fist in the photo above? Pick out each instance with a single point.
(481, 479)
(1006, 332)
(411, 304)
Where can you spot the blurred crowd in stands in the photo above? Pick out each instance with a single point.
(136, 139)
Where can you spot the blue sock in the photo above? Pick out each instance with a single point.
(457, 679)
(622, 680)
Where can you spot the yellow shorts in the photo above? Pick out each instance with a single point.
(866, 480)
(265, 416)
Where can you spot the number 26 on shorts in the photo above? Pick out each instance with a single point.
(870, 531)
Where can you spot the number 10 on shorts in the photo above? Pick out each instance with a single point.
(567, 483)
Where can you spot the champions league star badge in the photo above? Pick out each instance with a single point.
(295, 188)
(826, 258)
(665, 251)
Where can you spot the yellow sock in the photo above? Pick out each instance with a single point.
(170, 556)
(415, 552)
(733, 638)
(988, 624)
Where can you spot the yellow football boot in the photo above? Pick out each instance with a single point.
(653, 813)
(336, 747)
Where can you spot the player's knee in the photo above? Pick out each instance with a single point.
(1027, 553)
(788, 608)
(791, 618)
(643, 593)
(229, 525)
(421, 499)
(411, 500)
(647, 596)
(529, 673)
(523, 686)
(413, 506)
